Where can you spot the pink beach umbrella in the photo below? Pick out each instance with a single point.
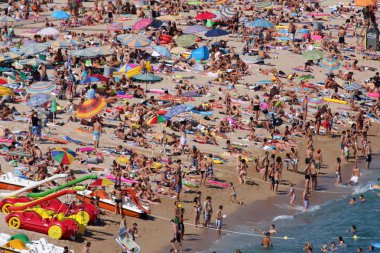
(142, 23)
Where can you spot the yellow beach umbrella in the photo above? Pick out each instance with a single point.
(4, 91)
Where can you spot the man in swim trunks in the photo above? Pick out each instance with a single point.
(96, 132)
(118, 200)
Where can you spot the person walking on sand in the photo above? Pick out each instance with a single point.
(118, 200)
(219, 220)
(292, 195)
(176, 236)
(306, 199)
(233, 195)
(97, 130)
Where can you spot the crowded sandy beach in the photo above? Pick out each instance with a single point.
(201, 126)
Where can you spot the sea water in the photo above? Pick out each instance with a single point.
(320, 225)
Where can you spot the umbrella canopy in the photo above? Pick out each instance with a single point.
(218, 15)
(73, 42)
(122, 160)
(101, 182)
(262, 5)
(60, 15)
(32, 62)
(63, 155)
(50, 31)
(178, 109)
(136, 42)
(147, 78)
(33, 49)
(41, 87)
(4, 91)
(84, 53)
(115, 27)
(216, 32)
(157, 119)
(59, 44)
(90, 79)
(260, 23)
(100, 77)
(228, 12)
(7, 19)
(178, 50)
(205, 15)
(3, 81)
(313, 55)
(90, 108)
(162, 51)
(101, 51)
(352, 86)
(38, 99)
(142, 23)
(186, 40)
(330, 63)
(195, 29)
(365, 3)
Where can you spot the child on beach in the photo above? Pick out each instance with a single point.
(306, 199)
(292, 195)
(233, 195)
(219, 219)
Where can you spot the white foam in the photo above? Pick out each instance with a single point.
(361, 189)
(283, 217)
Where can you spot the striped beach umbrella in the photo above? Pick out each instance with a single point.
(330, 63)
(136, 42)
(90, 108)
(147, 78)
(142, 23)
(195, 29)
(162, 51)
(33, 49)
(40, 87)
(63, 155)
(59, 44)
(262, 4)
(352, 86)
(218, 15)
(157, 119)
(186, 40)
(115, 27)
(38, 99)
(228, 12)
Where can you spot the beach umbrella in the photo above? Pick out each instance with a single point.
(100, 77)
(101, 51)
(136, 42)
(201, 53)
(89, 79)
(169, 18)
(90, 108)
(330, 63)
(7, 19)
(195, 29)
(122, 160)
(115, 27)
(162, 51)
(147, 78)
(352, 86)
(186, 40)
(10, 56)
(313, 55)
(33, 49)
(53, 106)
(38, 99)
(60, 15)
(73, 42)
(59, 44)
(365, 3)
(5, 91)
(63, 155)
(157, 119)
(204, 16)
(32, 62)
(101, 182)
(3, 81)
(228, 12)
(142, 23)
(49, 31)
(260, 23)
(262, 5)
(218, 15)
(40, 87)
(178, 50)
(216, 32)
(84, 53)
(178, 109)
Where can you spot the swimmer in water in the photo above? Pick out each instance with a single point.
(353, 229)
(341, 241)
(362, 198)
(352, 202)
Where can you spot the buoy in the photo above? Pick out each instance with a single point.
(355, 237)
(285, 237)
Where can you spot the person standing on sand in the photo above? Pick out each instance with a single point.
(97, 130)
(176, 236)
(86, 247)
(219, 220)
(355, 175)
(307, 173)
(318, 161)
(295, 159)
(343, 139)
(118, 200)
(203, 169)
(207, 206)
(338, 170)
(292, 195)
(309, 154)
(265, 165)
(306, 199)
(266, 242)
(313, 175)
(368, 154)
(194, 157)
(197, 205)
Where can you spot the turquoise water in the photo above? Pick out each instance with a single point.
(321, 225)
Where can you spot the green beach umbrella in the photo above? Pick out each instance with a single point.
(53, 107)
(186, 40)
(146, 78)
(313, 55)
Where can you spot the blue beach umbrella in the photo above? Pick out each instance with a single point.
(216, 33)
(162, 51)
(260, 23)
(178, 109)
(60, 15)
(330, 63)
(38, 99)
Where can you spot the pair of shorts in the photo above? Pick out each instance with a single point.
(183, 141)
(194, 162)
(341, 40)
(96, 136)
(307, 176)
(110, 15)
(256, 108)
(218, 224)
(35, 130)
(307, 160)
(368, 159)
(275, 181)
(118, 200)
(326, 124)
(210, 170)
(176, 237)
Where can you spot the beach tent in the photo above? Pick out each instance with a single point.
(129, 70)
(201, 53)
